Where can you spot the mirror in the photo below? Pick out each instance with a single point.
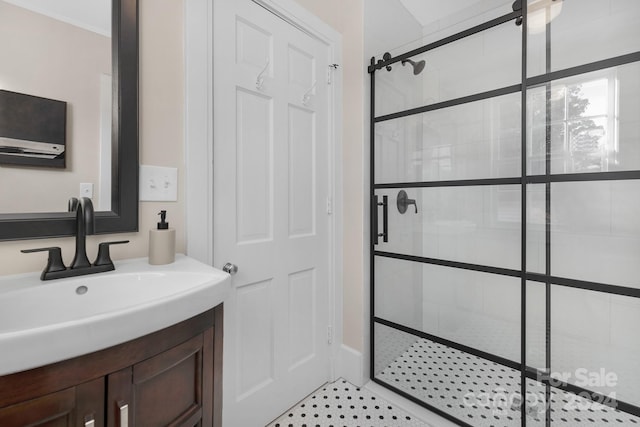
(122, 214)
(55, 102)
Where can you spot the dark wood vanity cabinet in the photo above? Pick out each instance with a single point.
(73, 406)
(172, 377)
(166, 389)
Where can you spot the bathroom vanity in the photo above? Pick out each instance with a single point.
(132, 364)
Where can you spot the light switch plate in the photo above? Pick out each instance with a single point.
(158, 184)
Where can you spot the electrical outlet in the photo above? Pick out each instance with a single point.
(158, 184)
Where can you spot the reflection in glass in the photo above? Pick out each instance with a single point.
(471, 141)
(582, 32)
(540, 13)
(594, 122)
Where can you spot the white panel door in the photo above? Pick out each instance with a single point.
(270, 195)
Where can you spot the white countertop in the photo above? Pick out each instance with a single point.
(43, 322)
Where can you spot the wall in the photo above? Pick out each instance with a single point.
(161, 138)
(347, 18)
(161, 143)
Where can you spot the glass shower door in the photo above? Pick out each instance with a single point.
(446, 201)
(505, 175)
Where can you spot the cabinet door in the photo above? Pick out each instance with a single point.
(82, 405)
(165, 390)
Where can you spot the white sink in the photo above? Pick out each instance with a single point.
(45, 322)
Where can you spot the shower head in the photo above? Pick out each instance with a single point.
(417, 66)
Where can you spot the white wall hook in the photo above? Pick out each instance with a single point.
(307, 95)
(260, 78)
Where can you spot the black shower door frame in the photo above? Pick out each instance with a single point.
(518, 16)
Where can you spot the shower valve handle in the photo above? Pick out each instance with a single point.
(403, 202)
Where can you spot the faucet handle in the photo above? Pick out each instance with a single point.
(54, 263)
(73, 204)
(104, 257)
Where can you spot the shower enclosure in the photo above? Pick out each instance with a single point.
(505, 217)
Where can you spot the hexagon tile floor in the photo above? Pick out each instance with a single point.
(341, 404)
(478, 391)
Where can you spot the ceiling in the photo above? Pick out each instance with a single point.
(429, 11)
(92, 15)
(439, 14)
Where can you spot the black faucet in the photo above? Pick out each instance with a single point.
(84, 227)
(55, 268)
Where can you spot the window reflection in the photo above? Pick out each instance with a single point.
(583, 126)
(579, 130)
(591, 123)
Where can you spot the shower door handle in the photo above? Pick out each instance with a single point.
(385, 219)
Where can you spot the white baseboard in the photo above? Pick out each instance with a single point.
(351, 366)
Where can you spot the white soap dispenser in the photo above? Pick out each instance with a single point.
(162, 242)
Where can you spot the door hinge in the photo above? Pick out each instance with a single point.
(330, 334)
(329, 206)
(332, 67)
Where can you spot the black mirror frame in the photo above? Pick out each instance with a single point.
(123, 216)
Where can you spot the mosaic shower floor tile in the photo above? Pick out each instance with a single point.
(479, 392)
(341, 404)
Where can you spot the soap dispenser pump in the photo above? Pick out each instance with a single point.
(162, 242)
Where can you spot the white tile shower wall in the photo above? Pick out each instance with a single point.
(477, 140)
(461, 304)
(396, 145)
(595, 234)
(485, 61)
(625, 316)
(593, 342)
(536, 326)
(398, 292)
(478, 225)
(476, 309)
